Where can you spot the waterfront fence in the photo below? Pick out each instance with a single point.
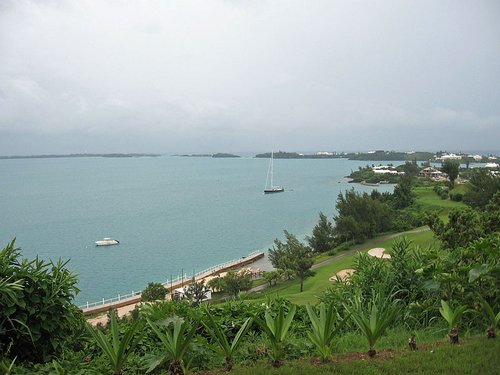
(179, 279)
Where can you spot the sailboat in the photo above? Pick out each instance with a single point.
(268, 189)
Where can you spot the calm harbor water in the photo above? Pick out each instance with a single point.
(169, 213)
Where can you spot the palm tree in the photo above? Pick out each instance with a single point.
(452, 317)
(373, 318)
(220, 337)
(276, 329)
(494, 319)
(323, 329)
(176, 339)
(116, 350)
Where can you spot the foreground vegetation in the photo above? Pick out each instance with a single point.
(475, 356)
(425, 296)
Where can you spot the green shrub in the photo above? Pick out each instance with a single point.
(374, 317)
(441, 191)
(276, 329)
(116, 348)
(154, 292)
(41, 320)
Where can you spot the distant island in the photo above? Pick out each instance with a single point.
(224, 155)
(368, 156)
(217, 155)
(296, 155)
(391, 155)
(49, 156)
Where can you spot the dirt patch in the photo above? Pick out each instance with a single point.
(360, 356)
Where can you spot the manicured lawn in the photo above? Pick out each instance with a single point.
(313, 286)
(422, 239)
(427, 198)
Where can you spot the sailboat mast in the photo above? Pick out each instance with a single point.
(272, 168)
(270, 175)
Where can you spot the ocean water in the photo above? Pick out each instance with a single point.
(170, 214)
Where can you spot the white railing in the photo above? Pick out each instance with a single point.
(175, 281)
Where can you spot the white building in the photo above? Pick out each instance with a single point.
(432, 173)
(383, 169)
(449, 157)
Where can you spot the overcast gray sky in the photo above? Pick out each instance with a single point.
(239, 75)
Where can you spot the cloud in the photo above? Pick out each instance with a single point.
(170, 76)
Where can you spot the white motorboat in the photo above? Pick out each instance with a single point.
(107, 242)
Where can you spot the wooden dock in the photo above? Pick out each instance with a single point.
(172, 285)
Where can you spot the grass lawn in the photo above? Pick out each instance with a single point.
(423, 239)
(321, 257)
(427, 198)
(460, 188)
(313, 286)
(474, 355)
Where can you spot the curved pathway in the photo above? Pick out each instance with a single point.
(365, 245)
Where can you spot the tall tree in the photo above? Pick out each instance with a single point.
(323, 235)
(403, 196)
(451, 168)
(196, 292)
(235, 283)
(293, 256)
(302, 264)
(491, 216)
(483, 186)
(411, 168)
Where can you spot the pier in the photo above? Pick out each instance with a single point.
(135, 297)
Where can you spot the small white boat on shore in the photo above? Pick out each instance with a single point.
(107, 242)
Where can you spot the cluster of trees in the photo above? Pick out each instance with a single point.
(233, 283)
(196, 291)
(466, 225)
(292, 258)
(361, 215)
(483, 186)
